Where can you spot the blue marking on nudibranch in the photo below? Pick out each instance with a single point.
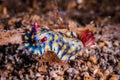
(66, 50)
(69, 57)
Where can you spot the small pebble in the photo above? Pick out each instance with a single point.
(88, 64)
(101, 44)
(85, 74)
(42, 69)
(109, 44)
(114, 77)
(31, 72)
(116, 44)
(100, 73)
(9, 67)
(38, 75)
(77, 77)
(93, 59)
(72, 71)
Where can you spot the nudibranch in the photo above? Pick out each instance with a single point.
(64, 45)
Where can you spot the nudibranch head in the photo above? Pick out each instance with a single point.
(34, 38)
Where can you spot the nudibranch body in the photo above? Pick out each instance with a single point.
(65, 45)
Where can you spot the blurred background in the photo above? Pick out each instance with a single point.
(99, 62)
(82, 11)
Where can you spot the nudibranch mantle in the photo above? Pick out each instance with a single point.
(65, 45)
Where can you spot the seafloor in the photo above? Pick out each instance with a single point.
(101, 61)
